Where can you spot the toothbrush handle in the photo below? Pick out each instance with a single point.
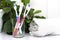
(16, 29)
(20, 9)
(21, 24)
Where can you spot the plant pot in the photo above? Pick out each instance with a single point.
(1, 21)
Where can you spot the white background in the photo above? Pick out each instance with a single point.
(52, 10)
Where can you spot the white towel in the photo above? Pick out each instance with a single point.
(47, 26)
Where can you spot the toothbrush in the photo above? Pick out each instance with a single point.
(15, 8)
(20, 9)
(16, 29)
(25, 14)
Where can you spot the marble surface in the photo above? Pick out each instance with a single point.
(4, 36)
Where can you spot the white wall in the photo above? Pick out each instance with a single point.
(53, 8)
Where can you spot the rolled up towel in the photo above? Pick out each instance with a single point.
(46, 26)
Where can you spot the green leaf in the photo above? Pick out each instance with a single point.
(27, 20)
(5, 3)
(8, 26)
(5, 17)
(41, 17)
(38, 11)
(31, 12)
(13, 21)
(6, 9)
(25, 2)
(12, 13)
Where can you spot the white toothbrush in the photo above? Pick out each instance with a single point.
(25, 14)
(20, 9)
(16, 31)
(15, 8)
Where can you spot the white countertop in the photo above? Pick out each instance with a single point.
(4, 36)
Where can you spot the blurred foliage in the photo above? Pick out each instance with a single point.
(25, 2)
(9, 17)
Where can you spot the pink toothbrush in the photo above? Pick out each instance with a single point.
(16, 29)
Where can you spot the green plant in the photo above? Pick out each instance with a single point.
(9, 17)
